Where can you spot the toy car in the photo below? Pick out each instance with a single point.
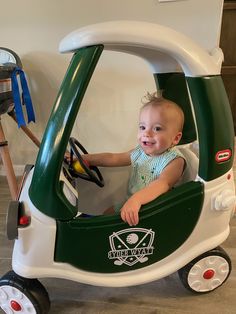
(181, 230)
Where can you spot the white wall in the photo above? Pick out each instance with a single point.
(107, 119)
(34, 29)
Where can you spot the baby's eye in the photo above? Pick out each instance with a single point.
(157, 128)
(141, 127)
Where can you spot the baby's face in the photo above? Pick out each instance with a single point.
(158, 129)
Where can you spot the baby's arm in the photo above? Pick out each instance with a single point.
(108, 159)
(167, 179)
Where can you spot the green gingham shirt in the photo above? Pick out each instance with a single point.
(146, 169)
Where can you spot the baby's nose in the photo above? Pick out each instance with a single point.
(148, 132)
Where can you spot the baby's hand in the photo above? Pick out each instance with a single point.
(129, 212)
(67, 157)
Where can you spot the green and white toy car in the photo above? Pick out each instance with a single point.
(181, 230)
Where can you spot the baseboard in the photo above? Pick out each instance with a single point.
(18, 169)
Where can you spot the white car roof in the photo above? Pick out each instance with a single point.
(163, 48)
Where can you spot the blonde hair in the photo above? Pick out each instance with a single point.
(157, 100)
(152, 97)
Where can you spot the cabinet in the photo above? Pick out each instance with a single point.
(228, 45)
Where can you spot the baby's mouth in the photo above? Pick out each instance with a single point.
(147, 143)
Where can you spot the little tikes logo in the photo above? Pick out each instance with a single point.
(223, 155)
(131, 246)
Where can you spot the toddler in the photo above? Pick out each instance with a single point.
(157, 165)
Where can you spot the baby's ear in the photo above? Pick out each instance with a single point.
(177, 138)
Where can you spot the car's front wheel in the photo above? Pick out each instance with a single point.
(23, 295)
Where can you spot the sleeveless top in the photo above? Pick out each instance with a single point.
(146, 169)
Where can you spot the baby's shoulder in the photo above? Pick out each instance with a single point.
(136, 153)
(176, 153)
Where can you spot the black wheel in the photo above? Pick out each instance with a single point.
(91, 173)
(22, 295)
(207, 272)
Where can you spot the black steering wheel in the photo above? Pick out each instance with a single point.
(92, 173)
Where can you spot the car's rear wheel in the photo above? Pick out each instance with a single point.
(207, 272)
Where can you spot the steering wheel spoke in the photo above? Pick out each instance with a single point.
(90, 173)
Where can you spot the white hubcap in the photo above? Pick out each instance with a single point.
(208, 273)
(13, 301)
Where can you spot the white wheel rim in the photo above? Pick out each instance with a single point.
(215, 267)
(9, 295)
